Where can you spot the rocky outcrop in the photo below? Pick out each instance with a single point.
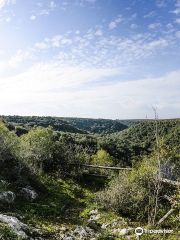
(15, 225)
(7, 197)
(28, 194)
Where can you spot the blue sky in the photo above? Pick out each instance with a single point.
(110, 59)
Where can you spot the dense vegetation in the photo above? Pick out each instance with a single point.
(73, 125)
(34, 153)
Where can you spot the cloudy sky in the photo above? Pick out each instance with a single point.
(110, 59)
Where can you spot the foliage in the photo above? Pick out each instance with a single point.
(40, 151)
(102, 158)
(6, 233)
(8, 146)
(132, 193)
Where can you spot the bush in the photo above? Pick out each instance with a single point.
(139, 194)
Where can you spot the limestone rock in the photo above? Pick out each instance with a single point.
(7, 197)
(124, 231)
(81, 231)
(16, 226)
(94, 211)
(28, 194)
(105, 225)
(95, 217)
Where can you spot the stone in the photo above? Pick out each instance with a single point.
(28, 194)
(4, 182)
(115, 223)
(7, 197)
(53, 204)
(71, 234)
(94, 217)
(116, 230)
(105, 225)
(81, 231)
(16, 226)
(124, 231)
(63, 229)
(41, 232)
(94, 211)
(92, 224)
(90, 231)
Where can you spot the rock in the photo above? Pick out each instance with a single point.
(4, 182)
(115, 231)
(95, 217)
(7, 197)
(129, 237)
(14, 215)
(28, 194)
(71, 234)
(115, 223)
(94, 211)
(63, 228)
(92, 224)
(53, 204)
(69, 238)
(105, 225)
(16, 226)
(41, 232)
(90, 231)
(81, 231)
(124, 231)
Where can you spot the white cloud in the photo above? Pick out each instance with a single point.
(169, 25)
(8, 19)
(154, 25)
(177, 20)
(42, 45)
(160, 3)
(44, 12)
(3, 2)
(56, 40)
(33, 17)
(113, 24)
(176, 11)
(119, 19)
(91, 1)
(134, 26)
(66, 41)
(99, 32)
(178, 3)
(52, 4)
(15, 60)
(77, 32)
(178, 34)
(151, 14)
(47, 86)
(40, 4)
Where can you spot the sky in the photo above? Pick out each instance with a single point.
(113, 59)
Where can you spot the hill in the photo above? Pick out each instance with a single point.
(72, 125)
